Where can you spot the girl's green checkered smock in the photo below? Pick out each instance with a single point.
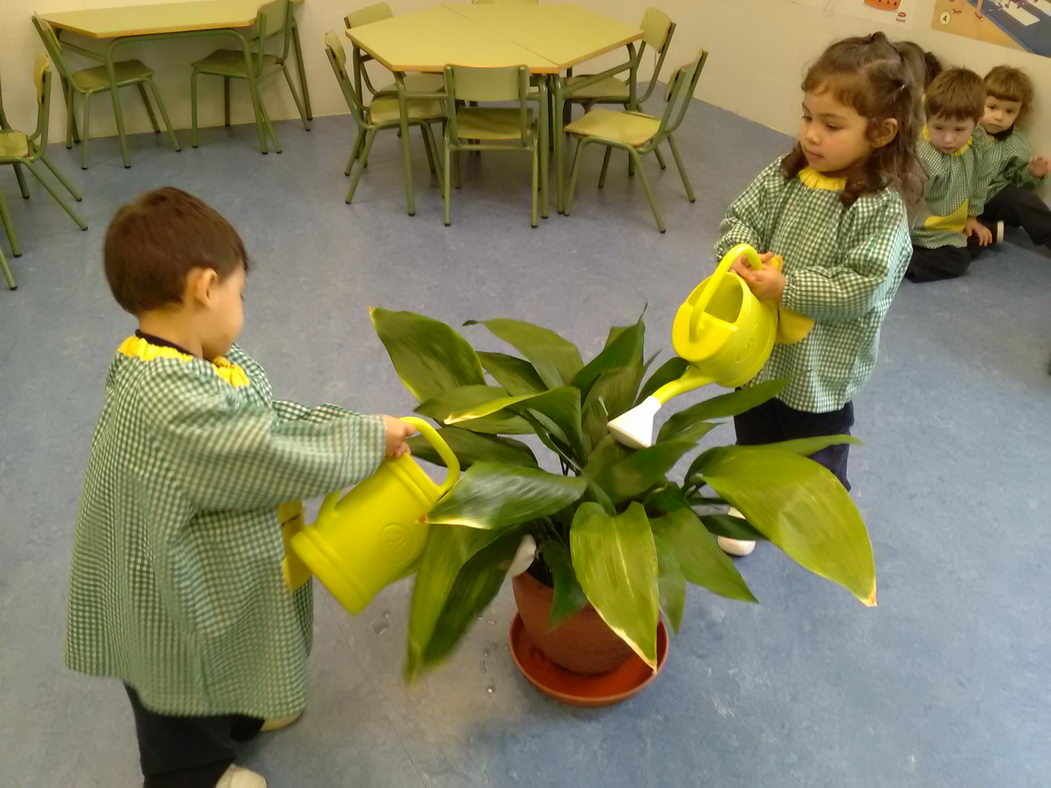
(1009, 161)
(957, 185)
(176, 583)
(842, 267)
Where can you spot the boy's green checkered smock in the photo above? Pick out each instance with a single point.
(842, 267)
(1009, 161)
(176, 583)
(957, 185)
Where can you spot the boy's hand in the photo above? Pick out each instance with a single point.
(766, 284)
(397, 433)
(1039, 165)
(975, 227)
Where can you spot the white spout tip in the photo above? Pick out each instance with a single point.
(635, 428)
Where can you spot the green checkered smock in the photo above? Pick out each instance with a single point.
(957, 186)
(842, 267)
(1009, 162)
(176, 583)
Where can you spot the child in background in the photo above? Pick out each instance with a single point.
(951, 153)
(1015, 170)
(176, 586)
(925, 65)
(833, 209)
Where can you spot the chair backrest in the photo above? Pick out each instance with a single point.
(52, 45)
(679, 94)
(657, 32)
(367, 15)
(3, 118)
(337, 58)
(42, 92)
(273, 19)
(501, 84)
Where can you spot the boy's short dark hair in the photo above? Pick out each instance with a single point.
(155, 241)
(955, 94)
(1010, 84)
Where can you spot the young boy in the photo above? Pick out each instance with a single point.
(176, 585)
(1015, 170)
(957, 178)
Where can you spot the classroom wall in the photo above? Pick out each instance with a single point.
(759, 50)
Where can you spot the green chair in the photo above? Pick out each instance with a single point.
(414, 83)
(23, 150)
(383, 113)
(87, 82)
(495, 128)
(254, 65)
(638, 133)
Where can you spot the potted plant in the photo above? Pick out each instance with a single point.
(612, 532)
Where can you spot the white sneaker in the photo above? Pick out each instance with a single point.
(998, 232)
(240, 777)
(736, 547)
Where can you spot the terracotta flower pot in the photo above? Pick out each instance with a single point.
(582, 644)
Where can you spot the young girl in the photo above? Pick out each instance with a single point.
(835, 210)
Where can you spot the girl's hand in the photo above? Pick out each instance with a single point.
(397, 433)
(1039, 165)
(766, 284)
(975, 227)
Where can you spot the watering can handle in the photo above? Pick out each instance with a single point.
(432, 437)
(745, 250)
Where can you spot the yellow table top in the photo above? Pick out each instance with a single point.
(149, 20)
(564, 34)
(545, 38)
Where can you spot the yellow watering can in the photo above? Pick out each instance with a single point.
(372, 535)
(726, 334)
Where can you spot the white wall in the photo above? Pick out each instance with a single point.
(759, 51)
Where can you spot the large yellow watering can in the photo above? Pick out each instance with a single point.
(726, 334)
(373, 535)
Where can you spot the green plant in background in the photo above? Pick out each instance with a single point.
(611, 528)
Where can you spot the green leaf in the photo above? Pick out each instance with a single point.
(672, 369)
(801, 507)
(610, 395)
(428, 355)
(465, 398)
(640, 470)
(700, 559)
(666, 498)
(492, 496)
(623, 350)
(516, 375)
(809, 446)
(671, 585)
(560, 409)
(555, 359)
(460, 572)
(569, 597)
(616, 564)
(721, 407)
(469, 448)
(733, 527)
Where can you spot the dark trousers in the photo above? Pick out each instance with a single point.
(774, 421)
(945, 262)
(187, 752)
(1021, 208)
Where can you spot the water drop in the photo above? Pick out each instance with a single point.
(380, 627)
(483, 667)
(485, 653)
(491, 689)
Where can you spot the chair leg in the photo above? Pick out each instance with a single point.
(631, 167)
(9, 227)
(427, 148)
(646, 187)
(71, 120)
(434, 150)
(574, 174)
(118, 113)
(295, 97)
(193, 108)
(61, 178)
(370, 136)
(58, 198)
(149, 109)
(446, 181)
(534, 188)
(660, 158)
(458, 163)
(267, 124)
(260, 126)
(87, 132)
(21, 182)
(226, 102)
(682, 170)
(354, 152)
(164, 115)
(7, 273)
(605, 166)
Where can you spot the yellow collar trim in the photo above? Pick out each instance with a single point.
(958, 152)
(815, 180)
(136, 347)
